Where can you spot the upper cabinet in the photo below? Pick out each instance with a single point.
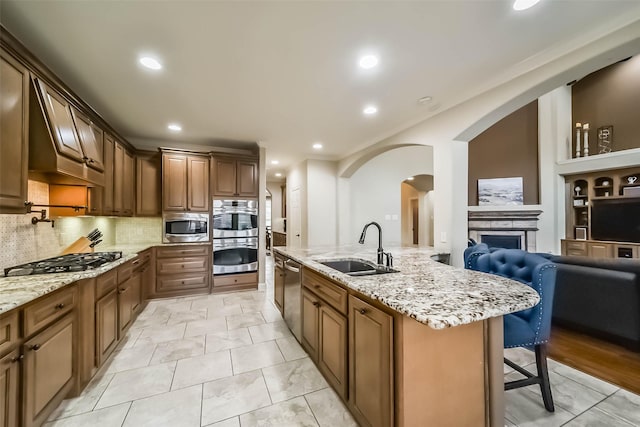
(14, 141)
(185, 182)
(90, 139)
(148, 184)
(235, 177)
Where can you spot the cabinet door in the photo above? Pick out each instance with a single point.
(600, 250)
(278, 288)
(310, 312)
(60, 118)
(128, 184)
(332, 348)
(198, 184)
(118, 179)
(247, 178)
(224, 179)
(107, 194)
(135, 291)
(106, 326)
(9, 388)
(174, 182)
(125, 306)
(49, 370)
(370, 364)
(14, 140)
(148, 190)
(90, 140)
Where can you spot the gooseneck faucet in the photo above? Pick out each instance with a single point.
(380, 250)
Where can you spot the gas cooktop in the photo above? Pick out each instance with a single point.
(64, 263)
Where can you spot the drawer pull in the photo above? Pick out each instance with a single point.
(17, 358)
(316, 304)
(182, 282)
(136, 262)
(35, 347)
(59, 306)
(316, 286)
(122, 290)
(182, 265)
(363, 311)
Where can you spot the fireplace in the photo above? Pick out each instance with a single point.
(505, 229)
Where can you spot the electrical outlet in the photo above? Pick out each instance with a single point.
(387, 217)
(443, 237)
(394, 217)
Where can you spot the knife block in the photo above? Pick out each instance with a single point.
(79, 246)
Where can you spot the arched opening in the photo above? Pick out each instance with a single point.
(416, 207)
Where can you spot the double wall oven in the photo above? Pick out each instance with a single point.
(235, 236)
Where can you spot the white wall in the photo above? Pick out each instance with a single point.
(322, 225)
(297, 180)
(375, 192)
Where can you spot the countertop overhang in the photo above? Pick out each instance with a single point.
(432, 293)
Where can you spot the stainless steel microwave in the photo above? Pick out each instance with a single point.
(185, 227)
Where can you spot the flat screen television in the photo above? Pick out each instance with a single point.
(616, 219)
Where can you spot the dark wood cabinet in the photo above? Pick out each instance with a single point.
(14, 134)
(107, 191)
(106, 326)
(310, 313)
(148, 185)
(332, 348)
(182, 270)
(234, 177)
(91, 140)
(185, 182)
(128, 184)
(49, 370)
(10, 388)
(118, 179)
(370, 364)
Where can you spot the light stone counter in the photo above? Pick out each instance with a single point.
(432, 293)
(19, 290)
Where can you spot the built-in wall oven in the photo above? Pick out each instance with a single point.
(185, 227)
(235, 236)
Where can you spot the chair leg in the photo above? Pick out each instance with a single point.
(543, 374)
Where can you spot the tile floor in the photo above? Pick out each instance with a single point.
(228, 360)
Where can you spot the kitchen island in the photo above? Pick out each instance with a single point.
(422, 346)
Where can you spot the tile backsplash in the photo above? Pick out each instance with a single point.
(21, 241)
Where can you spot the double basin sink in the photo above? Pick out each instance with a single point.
(357, 267)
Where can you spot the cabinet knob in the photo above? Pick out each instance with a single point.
(59, 306)
(182, 282)
(316, 304)
(182, 265)
(35, 347)
(363, 311)
(17, 358)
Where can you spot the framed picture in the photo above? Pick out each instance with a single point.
(500, 191)
(581, 233)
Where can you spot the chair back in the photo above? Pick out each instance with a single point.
(472, 253)
(532, 270)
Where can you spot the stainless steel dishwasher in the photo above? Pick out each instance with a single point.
(292, 297)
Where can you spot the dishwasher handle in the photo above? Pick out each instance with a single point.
(291, 268)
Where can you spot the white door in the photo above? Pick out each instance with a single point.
(293, 236)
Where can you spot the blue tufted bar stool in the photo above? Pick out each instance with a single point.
(528, 328)
(472, 253)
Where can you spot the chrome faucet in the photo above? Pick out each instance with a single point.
(381, 253)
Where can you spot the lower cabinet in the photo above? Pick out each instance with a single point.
(125, 305)
(9, 388)
(278, 284)
(310, 313)
(49, 369)
(182, 270)
(106, 326)
(370, 364)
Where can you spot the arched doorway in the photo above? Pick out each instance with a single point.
(416, 207)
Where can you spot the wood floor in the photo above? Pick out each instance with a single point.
(609, 362)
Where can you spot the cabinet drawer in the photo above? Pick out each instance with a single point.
(49, 308)
(9, 331)
(182, 251)
(125, 271)
(327, 290)
(144, 256)
(183, 265)
(236, 279)
(106, 282)
(181, 282)
(573, 245)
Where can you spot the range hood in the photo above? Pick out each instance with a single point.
(62, 142)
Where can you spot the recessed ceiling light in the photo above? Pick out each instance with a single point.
(317, 146)
(368, 61)
(369, 110)
(410, 178)
(174, 127)
(524, 4)
(425, 100)
(278, 174)
(150, 63)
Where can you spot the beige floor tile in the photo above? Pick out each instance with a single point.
(146, 321)
(231, 422)
(187, 316)
(623, 404)
(235, 321)
(225, 310)
(180, 408)
(107, 417)
(179, 305)
(271, 315)
(290, 348)
(201, 369)
(269, 331)
(255, 356)
(525, 409)
(207, 326)
(292, 413)
(596, 418)
(227, 340)
(137, 384)
(329, 409)
(582, 378)
(86, 401)
(239, 298)
(207, 303)
(130, 358)
(158, 334)
(129, 339)
(232, 396)
(292, 379)
(178, 349)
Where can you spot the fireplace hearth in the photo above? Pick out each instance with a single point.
(505, 229)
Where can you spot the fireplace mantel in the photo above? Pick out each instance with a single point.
(520, 223)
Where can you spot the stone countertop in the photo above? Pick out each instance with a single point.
(19, 290)
(432, 293)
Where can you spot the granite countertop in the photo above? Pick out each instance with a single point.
(19, 290)
(432, 293)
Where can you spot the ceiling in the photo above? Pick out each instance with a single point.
(285, 74)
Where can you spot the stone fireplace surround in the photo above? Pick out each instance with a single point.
(520, 223)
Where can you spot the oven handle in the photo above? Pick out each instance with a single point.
(236, 246)
(290, 268)
(185, 234)
(234, 211)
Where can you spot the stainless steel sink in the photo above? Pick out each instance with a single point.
(355, 267)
